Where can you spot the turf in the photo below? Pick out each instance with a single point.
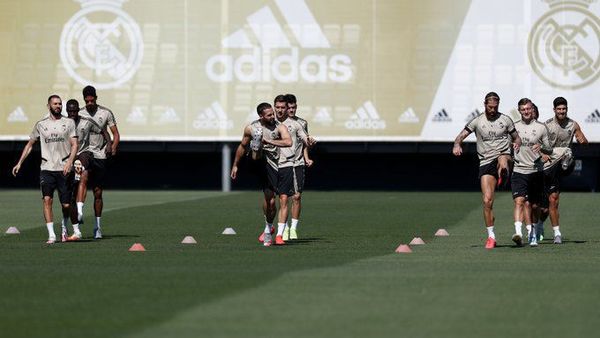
(341, 279)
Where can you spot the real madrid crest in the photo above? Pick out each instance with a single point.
(564, 44)
(101, 44)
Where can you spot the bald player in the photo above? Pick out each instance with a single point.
(492, 130)
(58, 143)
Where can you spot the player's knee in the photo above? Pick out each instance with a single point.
(488, 201)
(297, 197)
(66, 206)
(47, 199)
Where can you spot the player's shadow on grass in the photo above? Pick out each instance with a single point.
(304, 241)
(105, 237)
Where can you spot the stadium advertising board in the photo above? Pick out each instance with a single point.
(397, 70)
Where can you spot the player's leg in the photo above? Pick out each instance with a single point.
(282, 221)
(48, 185)
(285, 189)
(64, 187)
(98, 206)
(87, 163)
(488, 184)
(519, 192)
(269, 210)
(553, 200)
(297, 200)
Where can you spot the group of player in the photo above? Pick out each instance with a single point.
(275, 148)
(539, 154)
(74, 153)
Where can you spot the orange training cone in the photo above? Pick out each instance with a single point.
(417, 241)
(442, 233)
(403, 248)
(137, 247)
(189, 240)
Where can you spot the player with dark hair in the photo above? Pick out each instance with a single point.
(527, 179)
(560, 163)
(58, 143)
(494, 150)
(301, 161)
(290, 179)
(100, 149)
(84, 125)
(262, 139)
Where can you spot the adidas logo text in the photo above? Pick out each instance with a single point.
(408, 116)
(442, 116)
(287, 67)
(594, 117)
(366, 117)
(17, 115)
(213, 117)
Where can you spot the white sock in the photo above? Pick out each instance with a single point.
(556, 230)
(294, 223)
(490, 231)
(519, 228)
(76, 228)
(97, 222)
(533, 235)
(50, 227)
(80, 210)
(528, 227)
(280, 228)
(65, 222)
(268, 228)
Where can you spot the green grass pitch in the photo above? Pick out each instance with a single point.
(341, 279)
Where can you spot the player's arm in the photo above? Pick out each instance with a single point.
(24, 154)
(308, 140)
(240, 151)
(457, 148)
(286, 139)
(309, 162)
(579, 136)
(71, 159)
(116, 137)
(516, 139)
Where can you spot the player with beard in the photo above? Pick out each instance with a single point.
(100, 149)
(494, 150)
(58, 143)
(261, 141)
(560, 163)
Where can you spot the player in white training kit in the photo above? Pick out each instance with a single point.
(492, 129)
(301, 162)
(288, 175)
(560, 163)
(527, 179)
(58, 143)
(261, 141)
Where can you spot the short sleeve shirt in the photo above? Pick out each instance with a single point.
(492, 136)
(55, 141)
(104, 118)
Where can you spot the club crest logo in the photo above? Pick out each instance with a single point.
(564, 45)
(101, 44)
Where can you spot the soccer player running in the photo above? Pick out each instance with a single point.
(301, 161)
(288, 177)
(58, 143)
(84, 125)
(494, 150)
(262, 139)
(527, 179)
(560, 162)
(100, 149)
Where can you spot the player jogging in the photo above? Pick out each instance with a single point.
(562, 129)
(263, 137)
(58, 142)
(492, 130)
(527, 179)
